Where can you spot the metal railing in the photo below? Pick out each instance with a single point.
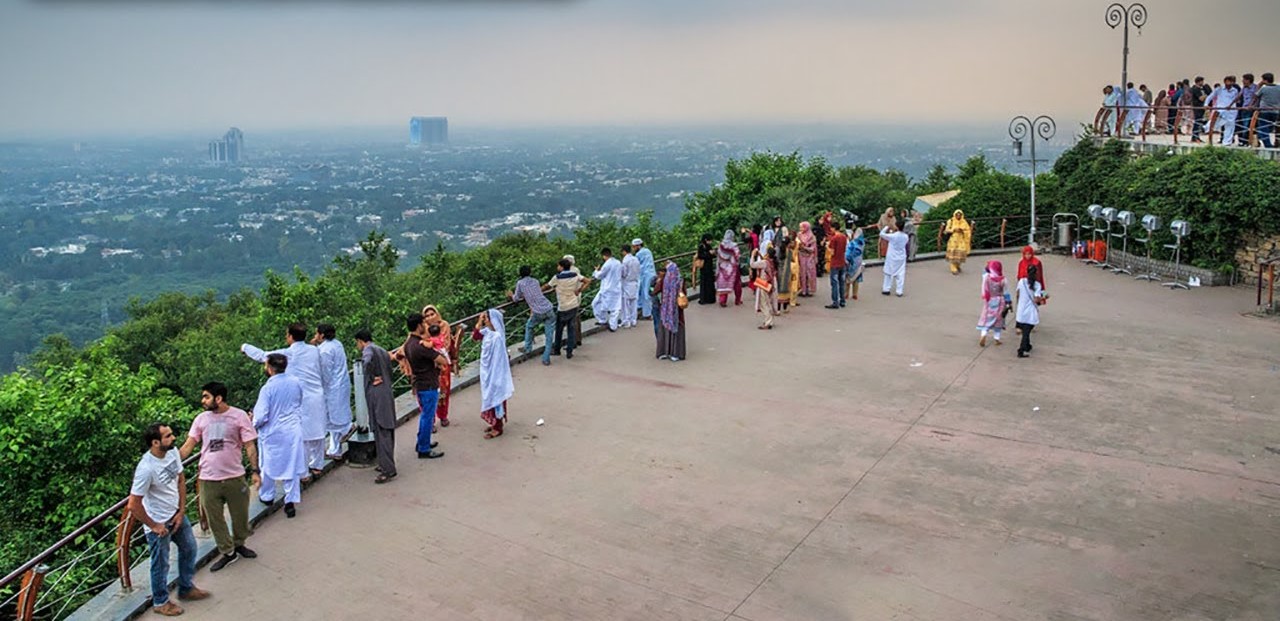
(516, 314)
(985, 233)
(55, 582)
(1181, 117)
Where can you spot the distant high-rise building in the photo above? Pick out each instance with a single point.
(229, 149)
(428, 130)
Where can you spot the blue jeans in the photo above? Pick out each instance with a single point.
(657, 313)
(427, 400)
(548, 321)
(837, 286)
(642, 302)
(1267, 125)
(186, 540)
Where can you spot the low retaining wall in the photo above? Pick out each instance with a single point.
(1142, 265)
(1253, 249)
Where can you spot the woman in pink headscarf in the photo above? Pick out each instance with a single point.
(991, 319)
(808, 260)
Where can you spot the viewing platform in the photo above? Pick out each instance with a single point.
(867, 463)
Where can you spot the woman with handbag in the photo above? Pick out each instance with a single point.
(670, 318)
(765, 285)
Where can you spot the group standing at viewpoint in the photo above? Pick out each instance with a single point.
(303, 411)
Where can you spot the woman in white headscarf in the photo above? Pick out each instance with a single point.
(496, 386)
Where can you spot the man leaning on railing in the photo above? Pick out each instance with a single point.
(156, 499)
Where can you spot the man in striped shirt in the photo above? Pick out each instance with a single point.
(540, 312)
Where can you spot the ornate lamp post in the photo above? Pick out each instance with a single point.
(1136, 15)
(1021, 128)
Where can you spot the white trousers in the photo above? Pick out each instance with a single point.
(629, 309)
(315, 453)
(292, 490)
(900, 275)
(606, 315)
(1227, 122)
(333, 444)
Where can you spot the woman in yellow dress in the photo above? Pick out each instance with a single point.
(960, 235)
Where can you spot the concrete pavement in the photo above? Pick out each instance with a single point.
(870, 463)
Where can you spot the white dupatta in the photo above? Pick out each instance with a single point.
(496, 385)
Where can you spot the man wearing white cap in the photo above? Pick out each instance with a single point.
(647, 273)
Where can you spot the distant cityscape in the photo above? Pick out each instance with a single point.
(88, 225)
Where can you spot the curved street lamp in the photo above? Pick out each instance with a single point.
(1021, 128)
(1133, 15)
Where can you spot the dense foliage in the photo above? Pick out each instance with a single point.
(1223, 193)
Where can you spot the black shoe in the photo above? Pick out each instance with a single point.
(842, 305)
(569, 356)
(431, 455)
(1022, 354)
(884, 293)
(224, 560)
(246, 552)
(832, 306)
(435, 444)
(555, 352)
(289, 511)
(546, 363)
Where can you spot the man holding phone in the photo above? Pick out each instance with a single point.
(156, 499)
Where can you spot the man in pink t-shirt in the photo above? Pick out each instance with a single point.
(225, 435)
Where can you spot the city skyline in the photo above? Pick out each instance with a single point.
(143, 67)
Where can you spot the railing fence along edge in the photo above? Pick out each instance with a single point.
(989, 232)
(36, 578)
(1180, 116)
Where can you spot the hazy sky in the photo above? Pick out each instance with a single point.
(73, 67)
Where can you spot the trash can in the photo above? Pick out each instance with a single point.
(1065, 235)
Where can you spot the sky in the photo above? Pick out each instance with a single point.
(71, 67)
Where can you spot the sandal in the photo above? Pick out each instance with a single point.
(444, 423)
(491, 434)
(383, 478)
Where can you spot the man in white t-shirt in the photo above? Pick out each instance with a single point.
(156, 499)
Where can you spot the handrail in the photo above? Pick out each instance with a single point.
(75, 534)
(32, 572)
(1101, 123)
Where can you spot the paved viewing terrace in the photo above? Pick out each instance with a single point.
(872, 463)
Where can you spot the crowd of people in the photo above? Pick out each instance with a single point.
(303, 411)
(1187, 107)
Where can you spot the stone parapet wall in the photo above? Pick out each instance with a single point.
(1255, 247)
(1166, 269)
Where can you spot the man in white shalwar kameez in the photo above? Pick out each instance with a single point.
(337, 389)
(630, 287)
(1224, 99)
(304, 366)
(1110, 116)
(607, 304)
(1135, 110)
(895, 259)
(277, 417)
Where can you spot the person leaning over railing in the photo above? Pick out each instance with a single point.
(529, 290)
(156, 498)
(568, 285)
